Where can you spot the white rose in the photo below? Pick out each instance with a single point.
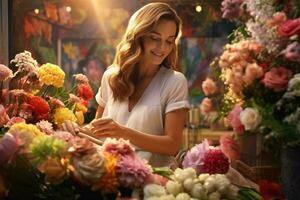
(151, 190)
(167, 197)
(183, 196)
(173, 187)
(250, 118)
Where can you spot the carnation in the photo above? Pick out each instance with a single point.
(45, 127)
(39, 106)
(118, 147)
(51, 74)
(133, 171)
(215, 162)
(85, 91)
(63, 114)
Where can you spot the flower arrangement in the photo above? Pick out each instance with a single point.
(259, 71)
(41, 161)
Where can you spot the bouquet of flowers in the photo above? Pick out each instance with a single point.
(40, 161)
(259, 70)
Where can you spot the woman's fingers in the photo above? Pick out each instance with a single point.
(100, 122)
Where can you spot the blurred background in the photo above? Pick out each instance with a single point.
(81, 35)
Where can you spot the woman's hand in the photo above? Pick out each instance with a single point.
(106, 127)
(74, 128)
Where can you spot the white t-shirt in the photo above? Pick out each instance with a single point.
(167, 91)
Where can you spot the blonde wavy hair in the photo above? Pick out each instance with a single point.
(129, 51)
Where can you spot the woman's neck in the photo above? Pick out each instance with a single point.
(147, 70)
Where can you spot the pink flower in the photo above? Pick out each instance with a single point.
(289, 28)
(277, 78)
(277, 19)
(132, 171)
(253, 71)
(4, 118)
(157, 179)
(292, 52)
(206, 105)
(230, 147)
(81, 78)
(14, 120)
(63, 135)
(232, 8)
(194, 156)
(119, 147)
(234, 119)
(215, 162)
(5, 73)
(9, 145)
(209, 87)
(45, 127)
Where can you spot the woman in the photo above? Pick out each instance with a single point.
(141, 97)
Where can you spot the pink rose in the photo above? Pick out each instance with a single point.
(277, 78)
(234, 119)
(230, 147)
(253, 71)
(289, 28)
(209, 87)
(206, 105)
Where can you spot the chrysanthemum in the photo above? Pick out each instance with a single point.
(118, 147)
(25, 132)
(109, 182)
(133, 171)
(5, 72)
(80, 117)
(63, 114)
(51, 74)
(45, 127)
(81, 107)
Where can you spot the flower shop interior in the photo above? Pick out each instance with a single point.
(241, 135)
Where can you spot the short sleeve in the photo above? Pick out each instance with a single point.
(104, 89)
(177, 92)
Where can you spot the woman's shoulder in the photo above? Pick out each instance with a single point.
(112, 69)
(173, 75)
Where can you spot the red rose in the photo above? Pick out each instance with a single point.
(277, 78)
(85, 91)
(289, 28)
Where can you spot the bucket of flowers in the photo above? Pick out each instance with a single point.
(260, 72)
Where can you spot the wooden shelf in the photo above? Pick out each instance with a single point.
(196, 136)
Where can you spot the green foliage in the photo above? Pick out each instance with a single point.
(43, 147)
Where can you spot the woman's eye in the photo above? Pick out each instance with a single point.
(154, 38)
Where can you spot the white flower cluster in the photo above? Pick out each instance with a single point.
(266, 36)
(186, 185)
(260, 9)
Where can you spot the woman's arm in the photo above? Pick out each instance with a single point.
(169, 143)
(99, 112)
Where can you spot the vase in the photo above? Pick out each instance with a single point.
(290, 172)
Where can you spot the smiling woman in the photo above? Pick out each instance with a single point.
(142, 98)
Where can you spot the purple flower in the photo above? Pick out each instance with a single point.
(194, 157)
(231, 9)
(9, 145)
(292, 52)
(132, 171)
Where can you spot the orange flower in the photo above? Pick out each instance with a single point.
(109, 182)
(85, 91)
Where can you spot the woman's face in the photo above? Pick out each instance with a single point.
(158, 44)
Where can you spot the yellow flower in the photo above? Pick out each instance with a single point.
(63, 114)
(80, 117)
(51, 74)
(81, 107)
(109, 182)
(26, 132)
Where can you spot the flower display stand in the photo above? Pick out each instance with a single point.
(255, 163)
